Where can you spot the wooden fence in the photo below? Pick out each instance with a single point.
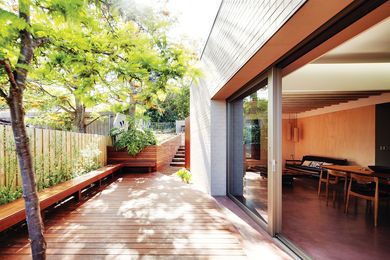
(55, 154)
(101, 126)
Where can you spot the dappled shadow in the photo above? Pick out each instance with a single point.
(139, 215)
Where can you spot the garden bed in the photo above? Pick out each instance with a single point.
(159, 155)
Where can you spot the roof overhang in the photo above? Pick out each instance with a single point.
(309, 18)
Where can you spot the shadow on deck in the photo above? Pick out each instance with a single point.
(136, 216)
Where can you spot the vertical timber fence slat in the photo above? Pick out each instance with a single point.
(57, 155)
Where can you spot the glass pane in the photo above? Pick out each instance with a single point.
(255, 141)
(248, 151)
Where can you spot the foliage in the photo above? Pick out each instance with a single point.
(58, 121)
(8, 194)
(87, 53)
(100, 58)
(48, 171)
(28, 25)
(256, 108)
(132, 138)
(185, 175)
(88, 160)
(176, 106)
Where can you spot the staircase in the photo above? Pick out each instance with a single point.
(179, 159)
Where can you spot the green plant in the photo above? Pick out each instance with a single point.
(8, 194)
(185, 175)
(133, 139)
(87, 160)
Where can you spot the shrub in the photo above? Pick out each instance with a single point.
(87, 160)
(133, 139)
(185, 175)
(8, 194)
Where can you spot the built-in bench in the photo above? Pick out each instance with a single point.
(14, 212)
(152, 158)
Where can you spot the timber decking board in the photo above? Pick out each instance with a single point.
(13, 213)
(148, 215)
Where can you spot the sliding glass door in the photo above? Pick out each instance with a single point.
(249, 136)
(252, 165)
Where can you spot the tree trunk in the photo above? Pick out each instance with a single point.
(33, 212)
(79, 118)
(17, 81)
(132, 104)
(132, 110)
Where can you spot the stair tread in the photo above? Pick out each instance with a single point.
(179, 158)
(177, 164)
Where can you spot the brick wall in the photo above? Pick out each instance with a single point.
(241, 28)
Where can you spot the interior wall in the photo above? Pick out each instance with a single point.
(288, 152)
(348, 134)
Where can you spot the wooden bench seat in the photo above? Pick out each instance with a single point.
(150, 165)
(147, 158)
(13, 212)
(135, 163)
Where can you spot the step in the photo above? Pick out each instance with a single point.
(177, 164)
(178, 160)
(180, 155)
(179, 152)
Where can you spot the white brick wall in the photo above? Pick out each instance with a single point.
(218, 147)
(241, 29)
(200, 135)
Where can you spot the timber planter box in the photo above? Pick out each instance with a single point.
(153, 157)
(145, 159)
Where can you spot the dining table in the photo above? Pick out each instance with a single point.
(384, 177)
(359, 170)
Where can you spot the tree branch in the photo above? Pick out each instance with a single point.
(3, 94)
(66, 109)
(40, 42)
(7, 67)
(93, 121)
(55, 97)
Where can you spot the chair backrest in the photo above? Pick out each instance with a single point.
(336, 173)
(363, 179)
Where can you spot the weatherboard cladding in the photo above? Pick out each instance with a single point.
(240, 29)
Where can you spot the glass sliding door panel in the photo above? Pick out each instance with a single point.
(249, 151)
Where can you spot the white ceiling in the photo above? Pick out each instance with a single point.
(362, 63)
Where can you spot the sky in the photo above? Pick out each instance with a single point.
(194, 18)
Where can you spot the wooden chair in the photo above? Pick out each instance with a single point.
(322, 179)
(365, 191)
(334, 179)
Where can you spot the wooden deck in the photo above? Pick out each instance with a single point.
(136, 216)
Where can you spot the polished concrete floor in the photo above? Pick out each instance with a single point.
(325, 232)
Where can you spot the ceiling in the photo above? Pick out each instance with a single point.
(295, 103)
(361, 64)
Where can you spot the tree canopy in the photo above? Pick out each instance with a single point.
(65, 56)
(95, 56)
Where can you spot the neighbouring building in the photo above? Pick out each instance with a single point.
(291, 87)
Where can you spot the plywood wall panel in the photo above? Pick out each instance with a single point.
(348, 134)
